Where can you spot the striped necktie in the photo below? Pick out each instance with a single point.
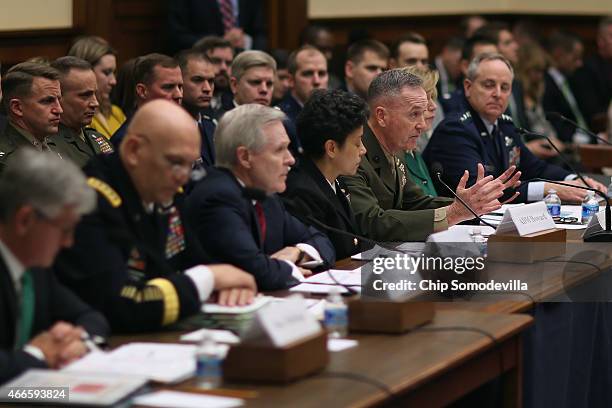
(227, 14)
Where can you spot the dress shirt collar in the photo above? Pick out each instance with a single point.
(488, 125)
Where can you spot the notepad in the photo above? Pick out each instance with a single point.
(178, 399)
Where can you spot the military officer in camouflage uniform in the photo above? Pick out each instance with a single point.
(76, 141)
(387, 204)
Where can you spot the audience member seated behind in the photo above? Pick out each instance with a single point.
(330, 128)
(103, 59)
(156, 76)
(41, 321)
(483, 135)
(135, 259)
(235, 210)
(531, 69)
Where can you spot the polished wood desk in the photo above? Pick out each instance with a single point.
(421, 368)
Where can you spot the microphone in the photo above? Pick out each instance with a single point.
(561, 155)
(599, 236)
(558, 116)
(438, 169)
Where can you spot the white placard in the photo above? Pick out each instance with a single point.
(286, 322)
(526, 219)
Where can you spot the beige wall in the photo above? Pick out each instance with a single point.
(394, 8)
(35, 14)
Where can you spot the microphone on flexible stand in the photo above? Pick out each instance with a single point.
(558, 116)
(599, 236)
(438, 169)
(561, 155)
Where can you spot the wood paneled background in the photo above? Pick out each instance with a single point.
(136, 27)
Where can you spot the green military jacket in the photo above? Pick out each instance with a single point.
(70, 145)
(10, 141)
(388, 208)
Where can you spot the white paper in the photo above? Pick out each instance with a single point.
(334, 345)
(220, 336)
(258, 302)
(526, 219)
(161, 362)
(287, 322)
(323, 282)
(176, 399)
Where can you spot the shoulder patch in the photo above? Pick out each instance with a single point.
(107, 191)
(466, 115)
(506, 117)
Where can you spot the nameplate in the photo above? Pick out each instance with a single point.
(526, 219)
(288, 321)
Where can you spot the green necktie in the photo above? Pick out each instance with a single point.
(571, 101)
(27, 309)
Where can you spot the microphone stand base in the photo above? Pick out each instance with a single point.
(599, 236)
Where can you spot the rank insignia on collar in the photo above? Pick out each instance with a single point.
(506, 117)
(509, 141)
(105, 190)
(465, 116)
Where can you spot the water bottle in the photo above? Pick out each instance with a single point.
(208, 363)
(336, 315)
(553, 203)
(590, 207)
(610, 189)
(479, 240)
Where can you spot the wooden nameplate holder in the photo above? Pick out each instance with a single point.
(377, 316)
(528, 248)
(261, 362)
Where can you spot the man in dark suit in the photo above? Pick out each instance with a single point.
(307, 72)
(330, 127)
(198, 88)
(388, 205)
(592, 83)
(484, 136)
(566, 56)
(134, 258)
(75, 139)
(156, 76)
(235, 210)
(42, 324)
(242, 22)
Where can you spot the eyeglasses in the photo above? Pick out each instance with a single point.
(565, 220)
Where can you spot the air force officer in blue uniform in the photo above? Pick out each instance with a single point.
(484, 134)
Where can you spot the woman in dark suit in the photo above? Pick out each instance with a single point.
(330, 127)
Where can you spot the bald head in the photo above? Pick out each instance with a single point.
(162, 140)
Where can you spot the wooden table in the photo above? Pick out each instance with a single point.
(421, 368)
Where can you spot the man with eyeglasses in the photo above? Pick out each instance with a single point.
(135, 259)
(42, 323)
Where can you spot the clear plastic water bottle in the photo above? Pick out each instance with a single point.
(553, 203)
(590, 207)
(610, 189)
(336, 315)
(209, 360)
(479, 240)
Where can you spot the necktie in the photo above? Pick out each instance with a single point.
(26, 310)
(571, 101)
(227, 14)
(261, 219)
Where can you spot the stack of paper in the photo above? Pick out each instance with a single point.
(234, 318)
(161, 362)
(324, 282)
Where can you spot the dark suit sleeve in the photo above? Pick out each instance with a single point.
(179, 27)
(223, 227)
(13, 363)
(96, 268)
(295, 232)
